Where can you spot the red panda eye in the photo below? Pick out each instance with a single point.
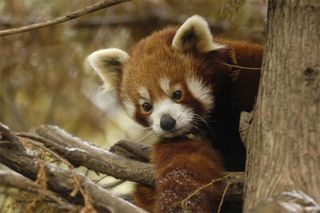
(146, 107)
(177, 95)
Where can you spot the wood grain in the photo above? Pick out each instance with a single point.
(283, 144)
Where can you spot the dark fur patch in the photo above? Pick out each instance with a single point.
(140, 118)
(114, 63)
(188, 39)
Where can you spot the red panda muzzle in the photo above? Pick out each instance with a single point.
(167, 123)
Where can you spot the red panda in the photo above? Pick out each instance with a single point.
(181, 80)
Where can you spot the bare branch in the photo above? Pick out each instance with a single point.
(132, 169)
(93, 157)
(132, 21)
(68, 17)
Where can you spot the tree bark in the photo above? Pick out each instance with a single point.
(283, 144)
(96, 158)
(15, 180)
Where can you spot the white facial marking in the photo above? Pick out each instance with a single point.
(143, 92)
(164, 84)
(129, 107)
(200, 26)
(201, 92)
(182, 114)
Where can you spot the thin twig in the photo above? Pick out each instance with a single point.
(100, 179)
(223, 196)
(241, 67)
(113, 184)
(184, 202)
(70, 16)
(236, 73)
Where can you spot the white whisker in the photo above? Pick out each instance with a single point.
(195, 126)
(211, 132)
(145, 136)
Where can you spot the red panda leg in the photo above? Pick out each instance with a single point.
(183, 166)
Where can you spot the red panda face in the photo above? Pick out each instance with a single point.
(160, 83)
(164, 90)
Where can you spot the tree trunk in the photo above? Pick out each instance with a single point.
(283, 145)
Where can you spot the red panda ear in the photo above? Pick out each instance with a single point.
(108, 63)
(195, 33)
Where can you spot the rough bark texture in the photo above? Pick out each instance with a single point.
(62, 181)
(94, 157)
(15, 180)
(283, 144)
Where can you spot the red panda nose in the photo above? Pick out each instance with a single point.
(167, 123)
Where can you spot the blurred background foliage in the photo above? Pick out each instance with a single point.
(43, 75)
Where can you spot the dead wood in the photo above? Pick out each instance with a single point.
(145, 173)
(6, 134)
(132, 150)
(124, 165)
(15, 180)
(62, 181)
(95, 158)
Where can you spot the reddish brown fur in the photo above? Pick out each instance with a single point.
(246, 84)
(144, 197)
(232, 97)
(182, 165)
(141, 69)
(154, 58)
(203, 72)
